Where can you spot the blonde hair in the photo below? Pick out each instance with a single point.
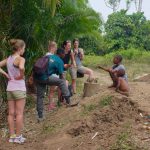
(52, 44)
(16, 44)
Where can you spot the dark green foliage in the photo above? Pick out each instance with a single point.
(34, 22)
(125, 31)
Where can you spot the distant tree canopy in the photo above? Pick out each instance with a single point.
(124, 31)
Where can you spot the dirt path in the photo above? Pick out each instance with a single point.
(140, 89)
(107, 115)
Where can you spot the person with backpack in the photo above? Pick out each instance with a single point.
(79, 56)
(16, 90)
(43, 70)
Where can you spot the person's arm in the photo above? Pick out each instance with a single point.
(81, 54)
(105, 69)
(72, 59)
(4, 73)
(21, 68)
(3, 63)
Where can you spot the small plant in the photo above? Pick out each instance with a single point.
(124, 141)
(88, 108)
(105, 101)
(49, 128)
(30, 102)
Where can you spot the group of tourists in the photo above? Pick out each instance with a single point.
(58, 62)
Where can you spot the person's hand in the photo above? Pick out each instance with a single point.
(30, 80)
(110, 70)
(7, 76)
(67, 66)
(76, 51)
(80, 55)
(73, 65)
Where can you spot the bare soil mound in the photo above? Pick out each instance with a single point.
(106, 123)
(143, 78)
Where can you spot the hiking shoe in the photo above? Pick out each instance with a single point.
(12, 138)
(67, 98)
(40, 119)
(19, 139)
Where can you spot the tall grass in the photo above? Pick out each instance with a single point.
(137, 62)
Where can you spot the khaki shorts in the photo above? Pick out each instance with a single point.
(82, 69)
(16, 95)
(73, 72)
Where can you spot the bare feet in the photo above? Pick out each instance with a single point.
(111, 86)
(123, 93)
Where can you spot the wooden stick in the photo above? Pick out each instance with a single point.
(95, 135)
(105, 69)
(146, 138)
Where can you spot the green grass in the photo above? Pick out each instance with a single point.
(30, 102)
(52, 128)
(49, 128)
(88, 108)
(136, 61)
(105, 101)
(124, 141)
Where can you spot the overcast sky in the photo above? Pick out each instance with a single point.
(99, 5)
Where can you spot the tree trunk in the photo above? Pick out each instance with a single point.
(90, 89)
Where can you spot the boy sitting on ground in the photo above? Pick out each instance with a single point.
(117, 66)
(118, 76)
(122, 85)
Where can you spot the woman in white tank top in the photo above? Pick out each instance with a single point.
(16, 90)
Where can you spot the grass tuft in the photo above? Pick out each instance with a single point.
(88, 108)
(105, 101)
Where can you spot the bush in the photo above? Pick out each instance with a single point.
(136, 61)
(130, 55)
